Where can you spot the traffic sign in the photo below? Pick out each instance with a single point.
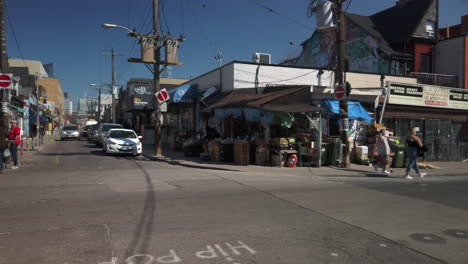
(340, 92)
(6, 80)
(162, 96)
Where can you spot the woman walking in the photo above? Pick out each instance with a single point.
(413, 144)
(3, 146)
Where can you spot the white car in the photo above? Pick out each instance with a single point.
(122, 141)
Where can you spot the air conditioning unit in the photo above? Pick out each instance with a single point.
(262, 58)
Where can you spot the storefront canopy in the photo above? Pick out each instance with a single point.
(183, 94)
(33, 117)
(355, 110)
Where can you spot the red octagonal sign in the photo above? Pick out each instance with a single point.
(162, 95)
(5, 80)
(340, 92)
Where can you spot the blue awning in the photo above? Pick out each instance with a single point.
(355, 110)
(183, 94)
(33, 117)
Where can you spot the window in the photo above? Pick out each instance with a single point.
(425, 63)
(430, 28)
(122, 134)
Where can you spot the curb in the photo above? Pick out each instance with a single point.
(361, 173)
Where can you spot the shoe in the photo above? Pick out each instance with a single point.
(408, 177)
(387, 172)
(14, 167)
(422, 174)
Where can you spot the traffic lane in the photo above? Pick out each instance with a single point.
(201, 220)
(429, 227)
(449, 191)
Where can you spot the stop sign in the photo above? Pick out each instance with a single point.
(5, 80)
(162, 96)
(340, 92)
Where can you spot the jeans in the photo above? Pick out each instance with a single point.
(2, 163)
(14, 154)
(412, 153)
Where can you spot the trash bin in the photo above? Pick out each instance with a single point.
(334, 151)
(400, 155)
(324, 155)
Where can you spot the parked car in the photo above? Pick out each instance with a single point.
(103, 130)
(92, 132)
(123, 141)
(86, 131)
(70, 132)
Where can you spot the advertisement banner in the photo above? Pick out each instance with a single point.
(427, 96)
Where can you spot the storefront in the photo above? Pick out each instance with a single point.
(439, 114)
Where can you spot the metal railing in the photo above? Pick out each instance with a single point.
(435, 79)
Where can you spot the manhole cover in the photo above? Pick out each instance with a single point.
(456, 233)
(427, 238)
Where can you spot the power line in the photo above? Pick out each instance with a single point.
(349, 3)
(14, 35)
(271, 10)
(165, 18)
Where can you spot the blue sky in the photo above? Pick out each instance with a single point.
(68, 33)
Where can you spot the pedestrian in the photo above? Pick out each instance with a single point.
(3, 147)
(15, 138)
(383, 152)
(413, 144)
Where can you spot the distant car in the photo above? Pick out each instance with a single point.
(70, 132)
(123, 141)
(103, 130)
(87, 131)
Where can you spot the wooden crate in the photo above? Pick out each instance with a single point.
(241, 153)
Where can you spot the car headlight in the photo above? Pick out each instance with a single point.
(112, 142)
(76, 133)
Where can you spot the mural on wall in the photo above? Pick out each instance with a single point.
(363, 50)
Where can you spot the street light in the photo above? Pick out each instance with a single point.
(107, 26)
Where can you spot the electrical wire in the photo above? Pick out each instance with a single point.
(13, 31)
(165, 18)
(271, 10)
(349, 3)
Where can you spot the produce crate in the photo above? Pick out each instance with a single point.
(241, 153)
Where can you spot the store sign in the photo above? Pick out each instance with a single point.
(428, 96)
(142, 95)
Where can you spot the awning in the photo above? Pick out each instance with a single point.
(355, 110)
(33, 117)
(183, 94)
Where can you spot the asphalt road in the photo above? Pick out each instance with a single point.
(72, 204)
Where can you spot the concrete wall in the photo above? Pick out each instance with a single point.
(268, 75)
(449, 58)
(363, 80)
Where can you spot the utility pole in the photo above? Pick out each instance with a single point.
(99, 106)
(156, 78)
(339, 80)
(4, 66)
(112, 54)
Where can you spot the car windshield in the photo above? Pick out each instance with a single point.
(106, 128)
(70, 128)
(122, 134)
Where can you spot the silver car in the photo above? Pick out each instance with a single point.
(103, 130)
(70, 132)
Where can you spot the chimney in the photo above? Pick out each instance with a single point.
(464, 25)
(402, 2)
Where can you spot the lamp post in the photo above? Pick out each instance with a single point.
(99, 101)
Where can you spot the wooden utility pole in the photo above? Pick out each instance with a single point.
(156, 79)
(339, 80)
(4, 67)
(112, 54)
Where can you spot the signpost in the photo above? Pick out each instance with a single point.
(162, 96)
(6, 80)
(340, 92)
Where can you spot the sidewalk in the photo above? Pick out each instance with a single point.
(177, 158)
